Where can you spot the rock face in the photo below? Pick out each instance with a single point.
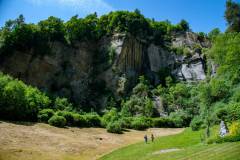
(190, 68)
(82, 70)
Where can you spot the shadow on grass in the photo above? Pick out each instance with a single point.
(19, 122)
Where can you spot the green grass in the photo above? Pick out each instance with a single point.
(188, 142)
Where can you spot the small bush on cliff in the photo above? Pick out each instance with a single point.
(57, 121)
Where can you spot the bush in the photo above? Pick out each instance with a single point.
(181, 118)
(114, 127)
(79, 120)
(45, 114)
(222, 113)
(92, 120)
(19, 101)
(109, 116)
(57, 121)
(141, 123)
(126, 122)
(68, 116)
(163, 123)
(234, 112)
(234, 129)
(228, 138)
(196, 123)
(62, 104)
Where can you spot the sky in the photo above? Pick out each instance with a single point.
(202, 15)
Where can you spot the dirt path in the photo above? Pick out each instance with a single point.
(43, 142)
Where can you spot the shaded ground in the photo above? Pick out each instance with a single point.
(40, 141)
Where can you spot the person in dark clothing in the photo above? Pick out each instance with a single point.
(145, 138)
(152, 137)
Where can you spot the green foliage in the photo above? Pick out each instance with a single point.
(219, 89)
(69, 116)
(79, 120)
(93, 120)
(232, 16)
(110, 116)
(182, 26)
(82, 28)
(226, 53)
(214, 33)
(52, 28)
(45, 114)
(19, 101)
(163, 122)
(234, 129)
(233, 111)
(126, 122)
(224, 139)
(62, 104)
(196, 123)
(124, 21)
(114, 127)
(141, 123)
(57, 121)
(181, 118)
(161, 32)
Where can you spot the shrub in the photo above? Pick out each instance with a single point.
(114, 127)
(196, 123)
(234, 111)
(62, 104)
(181, 118)
(57, 121)
(234, 129)
(222, 113)
(109, 116)
(92, 120)
(79, 120)
(19, 101)
(68, 116)
(228, 138)
(163, 123)
(126, 122)
(141, 123)
(45, 114)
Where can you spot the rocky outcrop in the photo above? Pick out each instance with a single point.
(79, 70)
(191, 68)
(159, 58)
(65, 72)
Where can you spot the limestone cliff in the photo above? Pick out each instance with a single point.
(84, 70)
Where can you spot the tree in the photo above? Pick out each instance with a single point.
(52, 28)
(214, 33)
(232, 16)
(184, 25)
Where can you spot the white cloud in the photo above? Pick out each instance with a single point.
(86, 6)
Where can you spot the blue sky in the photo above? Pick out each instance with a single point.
(202, 15)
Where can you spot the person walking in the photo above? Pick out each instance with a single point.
(145, 138)
(152, 137)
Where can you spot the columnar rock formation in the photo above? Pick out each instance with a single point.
(73, 71)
